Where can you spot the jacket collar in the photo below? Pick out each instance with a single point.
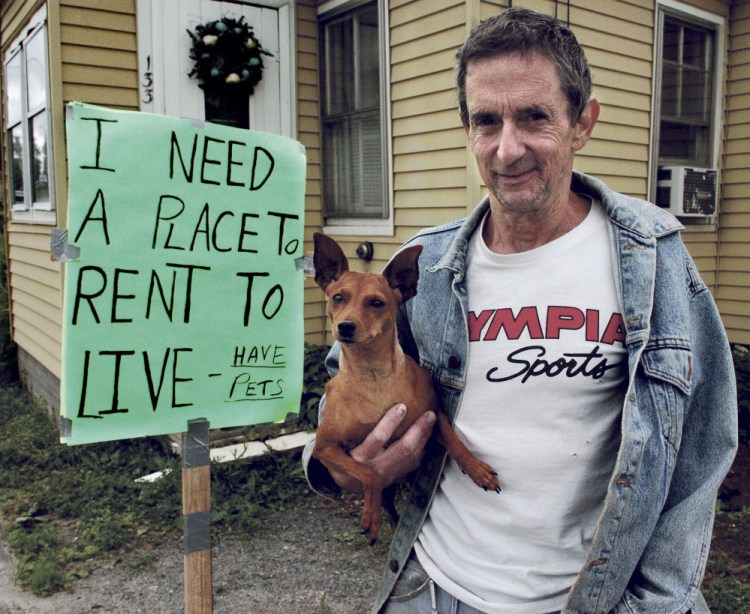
(639, 217)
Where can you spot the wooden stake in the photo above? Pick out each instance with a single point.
(196, 512)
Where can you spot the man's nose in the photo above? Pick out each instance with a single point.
(510, 145)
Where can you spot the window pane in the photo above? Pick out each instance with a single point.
(39, 166)
(16, 166)
(340, 199)
(696, 86)
(369, 64)
(695, 47)
(354, 167)
(671, 45)
(685, 142)
(227, 109)
(36, 71)
(14, 89)
(669, 83)
(340, 67)
(372, 179)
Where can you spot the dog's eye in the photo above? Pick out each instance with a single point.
(377, 304)
(338, 298)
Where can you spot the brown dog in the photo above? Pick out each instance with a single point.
(375, 374)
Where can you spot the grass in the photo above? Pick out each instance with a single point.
(726, 586)
(68, 509)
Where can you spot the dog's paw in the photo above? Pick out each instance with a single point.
(482, 475)
(371, 525)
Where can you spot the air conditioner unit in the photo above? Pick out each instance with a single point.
(687, 191)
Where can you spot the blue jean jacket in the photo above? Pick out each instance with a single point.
(679, 418)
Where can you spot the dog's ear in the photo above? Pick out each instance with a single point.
(329, 260)
(402, 273)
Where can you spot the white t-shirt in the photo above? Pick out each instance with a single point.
(542, 405)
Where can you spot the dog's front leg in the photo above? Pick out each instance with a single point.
(480, 472)
(336, 459)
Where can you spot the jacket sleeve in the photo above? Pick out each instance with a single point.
(671, 567)
(317, 475)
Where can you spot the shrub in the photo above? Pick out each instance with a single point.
(8, 364)
(315, 379)
(741, 356)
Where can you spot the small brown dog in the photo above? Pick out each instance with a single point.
(375, 374)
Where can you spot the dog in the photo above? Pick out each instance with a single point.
(375, 374)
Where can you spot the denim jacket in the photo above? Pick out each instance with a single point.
(679, 418)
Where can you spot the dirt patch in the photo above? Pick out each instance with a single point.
(308, 554)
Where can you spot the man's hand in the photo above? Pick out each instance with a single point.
(397, 460)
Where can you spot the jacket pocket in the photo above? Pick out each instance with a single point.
(668, 372)
(412, 582)
(670, 364)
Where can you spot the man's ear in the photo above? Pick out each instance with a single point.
(585, 124)
(402, 273)
(329, 260)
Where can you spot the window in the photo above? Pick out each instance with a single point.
(27, 127)
(687, 92)
(686, 101)
(355, 188)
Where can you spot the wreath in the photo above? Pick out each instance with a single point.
(227, 56)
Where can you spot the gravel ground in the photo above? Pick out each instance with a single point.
(307, 554)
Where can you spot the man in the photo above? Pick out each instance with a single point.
(571, 337)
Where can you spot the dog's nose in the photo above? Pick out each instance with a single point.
(346, 329)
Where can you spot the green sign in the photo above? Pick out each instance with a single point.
(182, 297)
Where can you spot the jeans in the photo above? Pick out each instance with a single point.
(415, 593)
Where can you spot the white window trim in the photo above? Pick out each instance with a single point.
(372, 227)
(690, 13)
(31, 215)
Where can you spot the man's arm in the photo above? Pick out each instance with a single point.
(674, 560)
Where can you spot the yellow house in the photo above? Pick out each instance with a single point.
(367, 87)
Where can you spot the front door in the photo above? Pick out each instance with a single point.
(164, 61)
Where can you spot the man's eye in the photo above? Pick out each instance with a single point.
(536, 116)
(484, 120)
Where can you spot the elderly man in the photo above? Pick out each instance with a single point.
(579, 353)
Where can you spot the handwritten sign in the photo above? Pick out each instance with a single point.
(186, 301)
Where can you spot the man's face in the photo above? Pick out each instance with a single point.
(520, 131)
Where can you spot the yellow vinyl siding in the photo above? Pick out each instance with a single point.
(618, 40)
(99, 52)
(429, 147)
(734, 257)
(308, 133)
(36, 296)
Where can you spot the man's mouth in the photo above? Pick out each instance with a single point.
(514, 176)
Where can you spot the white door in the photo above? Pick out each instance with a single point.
(164, 59)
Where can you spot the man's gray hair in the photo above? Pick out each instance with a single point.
(521, 30)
